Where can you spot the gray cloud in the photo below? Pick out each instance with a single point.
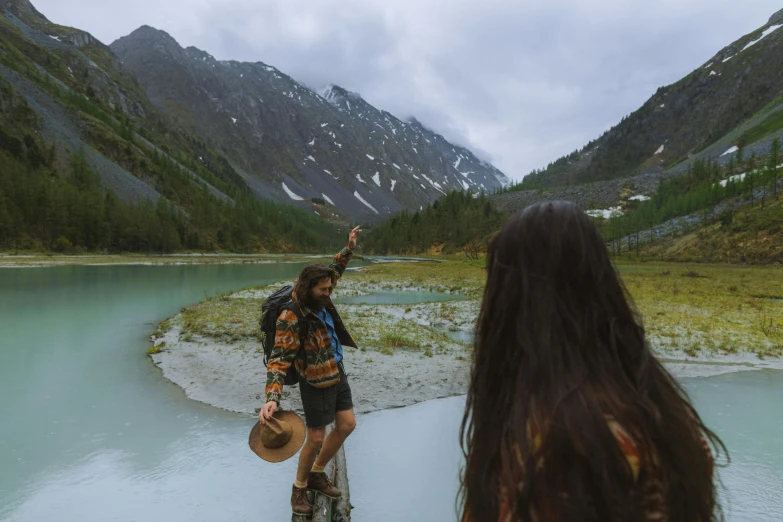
(521, 82)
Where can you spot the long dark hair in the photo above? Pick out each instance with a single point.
(309, 278)
(560, 347)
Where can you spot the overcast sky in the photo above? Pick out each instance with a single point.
(521, 82)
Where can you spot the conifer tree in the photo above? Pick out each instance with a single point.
(774, 159)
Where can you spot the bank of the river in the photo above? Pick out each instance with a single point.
(702, 321)
(37, 259)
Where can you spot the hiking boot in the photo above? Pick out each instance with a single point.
(300, 504)
(319, 483)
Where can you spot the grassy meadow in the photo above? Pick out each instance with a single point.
(687, 310)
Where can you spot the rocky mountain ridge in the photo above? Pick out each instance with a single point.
(291, 143)
(233, 128)
(699, 117)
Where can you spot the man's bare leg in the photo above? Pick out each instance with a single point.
(314, 442)
(344, 424)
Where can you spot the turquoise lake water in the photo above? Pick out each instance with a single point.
(406, 298)
(91, 431)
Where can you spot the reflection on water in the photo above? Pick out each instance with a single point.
(92, 432)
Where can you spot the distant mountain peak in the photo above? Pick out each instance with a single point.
(152, 38)
(289, 143)
(337, 95)
(146, 32)
(776, 18)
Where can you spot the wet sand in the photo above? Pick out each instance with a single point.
(230, 374)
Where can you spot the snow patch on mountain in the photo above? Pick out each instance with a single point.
(605, 213)
(437, 186)
(360, 198)
(291, 194)
(733, 179)
(768, 31)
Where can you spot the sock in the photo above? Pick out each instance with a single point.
(317, 468)
(300, 485)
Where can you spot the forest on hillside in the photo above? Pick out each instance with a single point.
(51, 200)
(43, 208)
(48, 204)
(454, 223)
(705, 185)
(459, 222)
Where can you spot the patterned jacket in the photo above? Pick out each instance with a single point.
(321, 369)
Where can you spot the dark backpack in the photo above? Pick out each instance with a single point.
(271, 309)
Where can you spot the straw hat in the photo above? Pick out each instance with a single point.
(279, 438)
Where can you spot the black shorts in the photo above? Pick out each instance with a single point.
(321, 404)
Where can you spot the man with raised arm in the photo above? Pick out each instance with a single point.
(326, 394)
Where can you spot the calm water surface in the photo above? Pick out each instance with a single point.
(378, 298)
(90, 431)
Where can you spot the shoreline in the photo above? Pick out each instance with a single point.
(232, 380)
(405, 357)
(45, 260)
(407, 354)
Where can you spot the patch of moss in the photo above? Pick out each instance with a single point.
(157, 348)
(725, 310)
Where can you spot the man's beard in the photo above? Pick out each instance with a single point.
(316, 303)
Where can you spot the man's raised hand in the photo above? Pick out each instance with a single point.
(352, 237)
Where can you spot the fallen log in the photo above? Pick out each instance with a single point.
(342, 509)
(326, 509)
(322, 505)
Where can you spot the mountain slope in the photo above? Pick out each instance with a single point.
(747, 233)
(456, 222)
(743, 80)
(292, 144)
(87, 162)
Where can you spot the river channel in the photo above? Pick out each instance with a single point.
(91, 431)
